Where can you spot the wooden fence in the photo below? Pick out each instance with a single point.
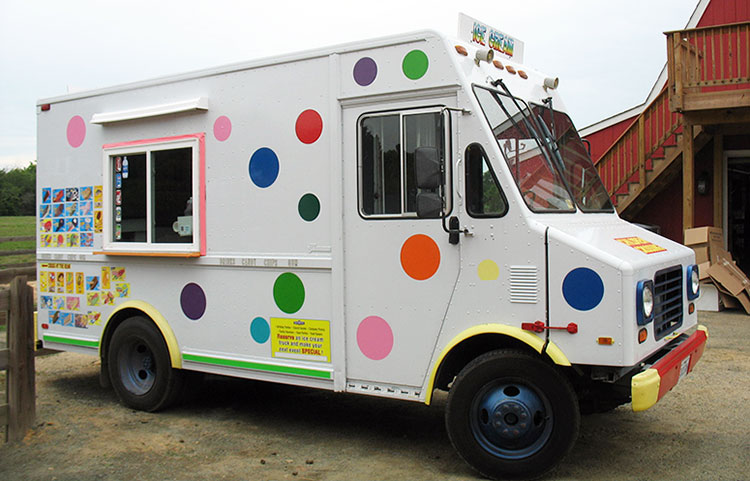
(17, 360)
(22, 269)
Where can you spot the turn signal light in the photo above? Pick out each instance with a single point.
(605, 341)
(691, 308)
(642, 336)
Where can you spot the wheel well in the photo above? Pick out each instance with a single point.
(112, 325)
(469, 349)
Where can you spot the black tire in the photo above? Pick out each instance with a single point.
(139, 366)
(511, 415)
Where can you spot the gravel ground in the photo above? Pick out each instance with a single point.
(237, 429)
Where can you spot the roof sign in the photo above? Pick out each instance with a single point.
(481, 34)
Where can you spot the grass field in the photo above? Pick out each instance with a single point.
(15, 227)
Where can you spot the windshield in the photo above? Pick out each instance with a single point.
(576, 167)
(553, 172)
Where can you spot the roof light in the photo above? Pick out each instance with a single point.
(510, 70)
(498, 64)
(461, 50)
(522, 74)
(45, 107)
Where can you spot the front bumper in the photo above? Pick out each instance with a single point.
(648, 387)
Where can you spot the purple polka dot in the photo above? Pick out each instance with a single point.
(193, 301)
(222, 128)
(365, 71)
(375, 338)
(76, 131)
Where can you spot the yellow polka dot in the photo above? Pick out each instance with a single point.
(488, 270)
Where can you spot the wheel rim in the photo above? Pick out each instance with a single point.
(137, 367)
(511, 420)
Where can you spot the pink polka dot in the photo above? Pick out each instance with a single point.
(309, 126)
(76, 131)
(375, 338)
(222, 128)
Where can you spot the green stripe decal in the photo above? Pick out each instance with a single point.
(72, 342)
(257, 366)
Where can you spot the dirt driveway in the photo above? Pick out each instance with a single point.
(236, 429)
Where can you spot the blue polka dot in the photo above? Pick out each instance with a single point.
(259, 330)
(264, 167)
(583, 289)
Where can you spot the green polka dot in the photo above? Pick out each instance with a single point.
(309, 207)
(289, 292)
(415, 64)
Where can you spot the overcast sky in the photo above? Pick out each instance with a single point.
(607, 54)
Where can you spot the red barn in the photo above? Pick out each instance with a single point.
(682, 158)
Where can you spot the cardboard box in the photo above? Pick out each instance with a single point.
(703, 268)
(730, 280)
(707, 242)
(704, 235)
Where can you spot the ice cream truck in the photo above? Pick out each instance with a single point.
(389, 217)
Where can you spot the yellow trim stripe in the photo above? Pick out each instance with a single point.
(166, 331)
(532, 340)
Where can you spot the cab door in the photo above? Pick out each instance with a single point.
(400, 269)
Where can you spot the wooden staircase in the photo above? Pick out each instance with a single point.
(708, 83)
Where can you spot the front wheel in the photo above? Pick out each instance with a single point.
(140, 368)
(511, 415)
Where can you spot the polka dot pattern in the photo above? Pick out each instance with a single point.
(260, 330)
(583, 289)
(264, 167)
(289, 292)
(309, 126)
(415, 64)
(365, 71)
(76, 131)
(420, 257)
(488, 270)
(222, 128)
(193, 301)
(309, 207)
(375, 338)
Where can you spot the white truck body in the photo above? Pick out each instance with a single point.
(298, 260)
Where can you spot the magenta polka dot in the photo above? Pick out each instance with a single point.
(76, 131)
(222, 128)
(375, 338)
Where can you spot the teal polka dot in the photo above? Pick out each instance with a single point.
(415, 64)
(260, 330)
(289, 292)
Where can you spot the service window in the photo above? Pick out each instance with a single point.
(389, 144)
(152, 196)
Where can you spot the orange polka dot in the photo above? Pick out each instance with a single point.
(420, 257)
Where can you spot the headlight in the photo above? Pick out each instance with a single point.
(644, 302)
(693, 282)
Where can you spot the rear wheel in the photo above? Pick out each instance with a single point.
(140, 368)
(511, 415)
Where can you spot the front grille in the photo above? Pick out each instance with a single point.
(667, 301)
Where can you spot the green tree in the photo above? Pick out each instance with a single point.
(18, 191)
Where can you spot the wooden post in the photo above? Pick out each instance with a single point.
(718, 186)
(688, 175)
(21, 372)
(641, 153)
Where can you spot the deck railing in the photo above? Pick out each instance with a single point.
(708, 65)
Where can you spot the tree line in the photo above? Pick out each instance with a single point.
(18, 191)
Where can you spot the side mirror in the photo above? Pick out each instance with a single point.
(429, 205)
(429, 175)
